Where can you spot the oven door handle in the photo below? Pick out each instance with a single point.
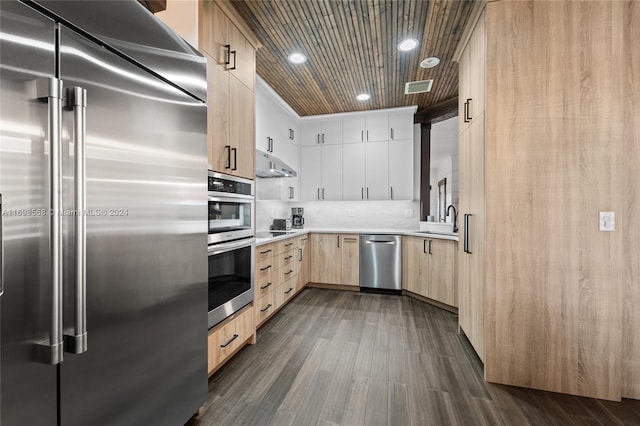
(235, 198)
(226, 247)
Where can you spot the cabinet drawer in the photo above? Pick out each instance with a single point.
(287, 272)
(264, 271)
(285, 292)
(264, 252)
(265, 306)
(285, 245)
(225, 339)
(264, 288)
(284, 259)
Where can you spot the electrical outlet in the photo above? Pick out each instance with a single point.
(351, 213)
(607, 221)
(408, 213)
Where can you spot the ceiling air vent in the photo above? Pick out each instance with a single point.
(413, 87)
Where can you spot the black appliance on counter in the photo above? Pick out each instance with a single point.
(231, 245)
(297, 217)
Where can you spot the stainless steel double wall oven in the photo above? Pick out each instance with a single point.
(231, 245)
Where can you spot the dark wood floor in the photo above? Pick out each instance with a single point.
(333, 357)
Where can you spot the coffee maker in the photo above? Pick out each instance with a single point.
(296, 217)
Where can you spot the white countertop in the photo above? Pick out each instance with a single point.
(407, 232)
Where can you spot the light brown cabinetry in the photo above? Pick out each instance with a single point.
(335, 259)
(278, 270)
(228, 337)
(230, 79)
(429, 268)
(304, 257)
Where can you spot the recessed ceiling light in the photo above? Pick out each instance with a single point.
(297, 58)
(408, 44)
(363, 97)
(430, 62)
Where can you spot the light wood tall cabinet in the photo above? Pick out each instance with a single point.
(429, 268)
(230, 51)
(335, 259)
(545, 148)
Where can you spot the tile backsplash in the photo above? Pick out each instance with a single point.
(343, 214)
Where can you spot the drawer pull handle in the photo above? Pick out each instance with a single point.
(289, 291)
(288, 257)
(287, 245)
(350, 239)
(265, 268)
(267, 285)
(266, 251)
(228, 342)
(266, 308)
(287, 273)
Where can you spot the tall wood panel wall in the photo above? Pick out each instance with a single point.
(631, 287)
(559, 150)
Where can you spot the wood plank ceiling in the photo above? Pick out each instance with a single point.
(351, 46)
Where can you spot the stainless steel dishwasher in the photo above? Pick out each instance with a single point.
(381, 263)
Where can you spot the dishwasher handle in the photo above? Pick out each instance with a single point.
(379, 242)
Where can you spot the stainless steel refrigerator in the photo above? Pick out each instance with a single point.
(103, 183)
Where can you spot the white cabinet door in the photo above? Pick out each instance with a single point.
(295, 133)
(377, 126)
(311, 172)
(401, 169)
(331, 132)
(353, 183)
(290, 190)
(377, 171)
(331, 172)
(401, 126)
(353, 129)
(264, 122)
(287, 152)
(310, 132)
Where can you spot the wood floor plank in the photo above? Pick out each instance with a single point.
(346, 358)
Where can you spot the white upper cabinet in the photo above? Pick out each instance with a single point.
(401, 169)
(377, 171)
(353, 129)
(321, 172)
(353, 171)
(332, 172)
(400, 126)
(321, 132)
(310, 172)
(376, 126)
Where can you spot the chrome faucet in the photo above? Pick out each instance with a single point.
(455, 217)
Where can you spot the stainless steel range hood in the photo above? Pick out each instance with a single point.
(268, 166)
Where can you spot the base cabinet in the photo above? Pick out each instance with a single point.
(429, 268)
(335, 259)
(228, 337)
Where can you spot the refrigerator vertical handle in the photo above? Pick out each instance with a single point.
(1, 250)
(50, 91)
(77, 101)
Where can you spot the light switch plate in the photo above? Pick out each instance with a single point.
(607, 221)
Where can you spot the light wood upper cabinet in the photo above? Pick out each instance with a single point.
(350, 245)
(429, 268)
(231, 106)
(326, 259)
(304, 274)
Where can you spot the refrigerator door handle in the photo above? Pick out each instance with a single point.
(77, 101)
(50, 91)
(1, 250)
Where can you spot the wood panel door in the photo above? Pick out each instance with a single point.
(477, 69)
(464, 87)
(465, 311)
(217, 116)
(415, 265)
(304, 273)
(326, 259)
(350, 248)
(243, 61)
(442, 272)
(241, 129)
